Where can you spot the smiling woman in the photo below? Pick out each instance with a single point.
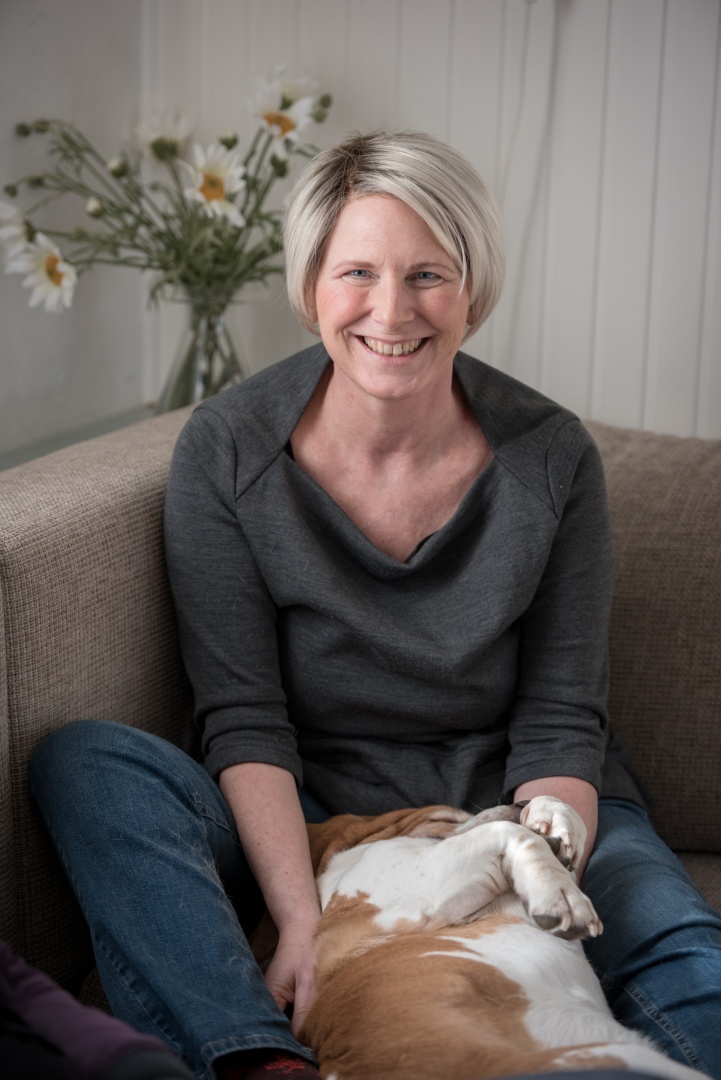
(392, 571)
(386, 286)
(386, 434)
(422, 173)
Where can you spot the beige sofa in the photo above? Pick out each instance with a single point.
(88, 630)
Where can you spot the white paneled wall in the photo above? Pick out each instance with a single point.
(612, 202)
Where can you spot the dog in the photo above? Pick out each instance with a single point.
(449, 948)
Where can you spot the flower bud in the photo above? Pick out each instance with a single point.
(117, 167)
(164, 148)
(41, 126)
(280, 166)
(11, 190)
(94, 207)
(325, 101)
(23, 130)
(319, 115)
(36, 181)
(228, 139)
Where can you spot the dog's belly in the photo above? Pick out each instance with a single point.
(435, 1005)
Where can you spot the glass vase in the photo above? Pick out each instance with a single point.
(207, 362)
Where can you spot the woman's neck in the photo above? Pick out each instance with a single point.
(420, 427)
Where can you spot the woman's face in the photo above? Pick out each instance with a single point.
(388, 301)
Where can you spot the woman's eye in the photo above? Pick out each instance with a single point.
(425, 276)
(357, 275)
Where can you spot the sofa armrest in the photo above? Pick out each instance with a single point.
(88, 630)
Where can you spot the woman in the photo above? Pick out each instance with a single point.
(392, 570)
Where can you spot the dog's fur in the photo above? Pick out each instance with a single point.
(449, 949)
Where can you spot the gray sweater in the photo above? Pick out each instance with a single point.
(478, 663)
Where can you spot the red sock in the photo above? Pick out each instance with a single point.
(264, 1065)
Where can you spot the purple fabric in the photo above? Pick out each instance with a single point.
(90, 1040)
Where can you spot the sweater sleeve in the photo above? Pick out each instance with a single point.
(559, 721)
(226, 616)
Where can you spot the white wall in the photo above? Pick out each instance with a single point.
(612, 206)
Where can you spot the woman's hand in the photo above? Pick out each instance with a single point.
(290, 977)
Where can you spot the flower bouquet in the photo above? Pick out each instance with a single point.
(201, 227)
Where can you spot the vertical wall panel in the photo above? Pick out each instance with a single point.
(425, 35)
(518, 323)
(372, 79)
(680, 225)
(229, 66)
(709, 406)
(323, 49)
(627, 211)
(473, 114)
(476, 68)
(573, 214)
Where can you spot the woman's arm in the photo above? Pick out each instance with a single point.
(264, 802)
(227, 627)
(559, 720)
(577, 793)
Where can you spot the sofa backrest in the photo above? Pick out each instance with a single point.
(665, 637)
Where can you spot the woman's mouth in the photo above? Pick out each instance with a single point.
(399, 348)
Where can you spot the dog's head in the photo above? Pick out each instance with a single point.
(350, 830)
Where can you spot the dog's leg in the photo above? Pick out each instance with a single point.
(559, 824)
(432, 883)
(478, 865)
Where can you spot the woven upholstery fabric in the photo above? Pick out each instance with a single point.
(706, 873)
(88, 631)
(665, 636)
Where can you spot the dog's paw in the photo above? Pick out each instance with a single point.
(559, 825)
(565, 911)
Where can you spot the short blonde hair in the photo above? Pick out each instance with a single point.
(431, 178)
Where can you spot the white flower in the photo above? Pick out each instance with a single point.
(94, 207)
(13, 230)
(163, 135)
(217, 175)
(50, 277)
(283, 107)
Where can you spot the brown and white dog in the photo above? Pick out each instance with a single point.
(449, 949)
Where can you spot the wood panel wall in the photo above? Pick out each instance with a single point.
(612, 193)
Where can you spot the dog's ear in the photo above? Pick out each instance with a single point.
(351, 830)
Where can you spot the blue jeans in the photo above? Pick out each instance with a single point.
(152, 853)
(659, 958)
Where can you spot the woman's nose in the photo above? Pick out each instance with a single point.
(393, 305)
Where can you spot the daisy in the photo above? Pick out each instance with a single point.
(216, 176)
(283, 107)
(163, 135)
(13, 230)
(50, 277)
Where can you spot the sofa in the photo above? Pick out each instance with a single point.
(88, 631)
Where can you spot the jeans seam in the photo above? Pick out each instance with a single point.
(161, 1030)
(667, 1025)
